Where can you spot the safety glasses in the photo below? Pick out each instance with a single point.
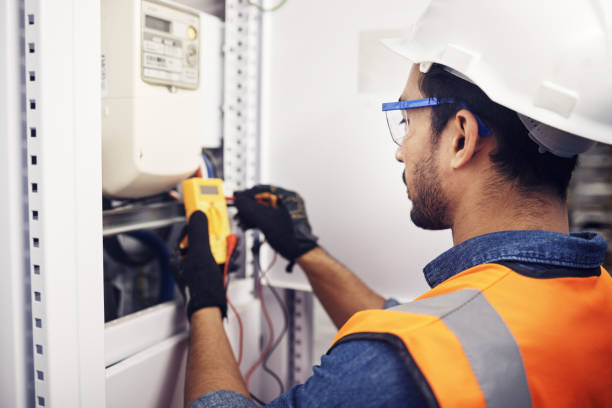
(398, 126)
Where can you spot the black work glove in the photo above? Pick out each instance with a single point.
(281, 215)
(195, 271)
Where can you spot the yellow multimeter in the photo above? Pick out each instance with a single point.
(207, 196)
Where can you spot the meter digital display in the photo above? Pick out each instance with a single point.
(209, 190)
(157, 24)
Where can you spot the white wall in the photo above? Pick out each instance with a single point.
(324, 135)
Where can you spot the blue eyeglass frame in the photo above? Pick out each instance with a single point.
(427, 102)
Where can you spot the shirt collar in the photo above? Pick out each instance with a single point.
(576, 250)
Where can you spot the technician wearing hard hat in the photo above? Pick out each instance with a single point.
(502, 98)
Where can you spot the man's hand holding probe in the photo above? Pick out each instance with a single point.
(281, 215)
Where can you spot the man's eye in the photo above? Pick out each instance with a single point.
(404, 123)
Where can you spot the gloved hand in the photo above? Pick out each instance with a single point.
(281, 215)
(195, 271)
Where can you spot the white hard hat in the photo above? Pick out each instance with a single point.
(548, 60)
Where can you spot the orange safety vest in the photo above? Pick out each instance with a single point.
(492, 336)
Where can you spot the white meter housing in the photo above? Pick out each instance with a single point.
(152, 95)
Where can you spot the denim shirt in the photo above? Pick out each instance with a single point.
(369, 372)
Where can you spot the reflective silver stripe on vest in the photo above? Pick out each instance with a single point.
(488, 344)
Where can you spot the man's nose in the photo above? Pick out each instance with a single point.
(398, 155)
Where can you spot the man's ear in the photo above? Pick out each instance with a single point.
(466, 140)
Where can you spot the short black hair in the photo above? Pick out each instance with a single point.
(516, 156)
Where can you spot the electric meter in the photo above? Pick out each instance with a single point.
(170, 46)
(153, 100)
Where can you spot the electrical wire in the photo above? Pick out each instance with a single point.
(285, 317)
(241, 330)
(271, 335)
(267, 10)
(212, 160)
(209, 166)
(257, 400)
(278, 340)
(114, 247)
(269, 267)
(272, 344)
(270, 327)
(112, 204)
(232, 242)
(152, 245)
(159, 247)
(174, 195)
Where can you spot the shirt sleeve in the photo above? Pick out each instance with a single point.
(361, 373)
(365, 373)
(223, 399)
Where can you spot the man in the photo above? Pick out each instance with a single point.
(519, 312)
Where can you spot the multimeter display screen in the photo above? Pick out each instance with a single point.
(157, 24)
(209, 190)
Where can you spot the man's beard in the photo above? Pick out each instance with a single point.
(429, 204)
